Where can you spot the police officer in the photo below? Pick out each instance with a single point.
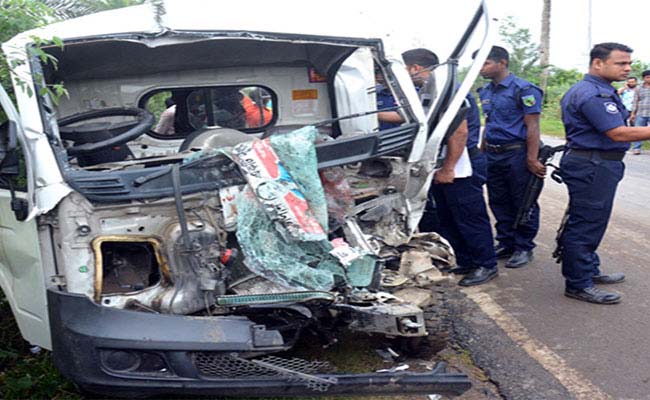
(512, 108)
(594, 121)
(419, 64)
(460, 206)
(459, 213)
(385, 100)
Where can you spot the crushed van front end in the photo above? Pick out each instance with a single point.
(125, 353)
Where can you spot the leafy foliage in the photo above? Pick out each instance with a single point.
(18, 16)
(66, 9)
(24, 375)
(524, 53)
(559, 81)
(638, 67)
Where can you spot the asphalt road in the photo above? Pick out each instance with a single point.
(595, 351)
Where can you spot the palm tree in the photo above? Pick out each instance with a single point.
(544, 48)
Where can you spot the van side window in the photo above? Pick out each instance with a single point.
(17, 180)
(181, 111)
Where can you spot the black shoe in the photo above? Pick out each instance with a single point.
(519, 259)
(503, 252)
(608, 279)
(593, 295)
(478, 276)
(462, 270)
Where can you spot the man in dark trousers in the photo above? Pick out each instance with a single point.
(512, 107)
(594, 121)
(460, 211)
(460, 206)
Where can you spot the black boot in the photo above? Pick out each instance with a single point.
(593, 295)
(608, 279)
(479, 276)
(519, 258)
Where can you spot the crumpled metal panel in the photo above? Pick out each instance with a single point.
(421, 261)
(45, 182)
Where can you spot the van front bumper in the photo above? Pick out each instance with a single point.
(127, 353)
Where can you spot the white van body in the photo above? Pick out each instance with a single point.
(92, 256)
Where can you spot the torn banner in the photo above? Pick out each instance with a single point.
(282, 216)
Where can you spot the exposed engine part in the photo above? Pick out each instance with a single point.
(384, 217)
(128, 267)
(125, 264)
(392, 319)
(198, 272)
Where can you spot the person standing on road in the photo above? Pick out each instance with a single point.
(628, 92)
(597, 135)
(460, 206)
(641, 109)
(512, 108)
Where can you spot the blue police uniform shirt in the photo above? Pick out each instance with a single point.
(589, 109)
(473, 122)
(505, 105)
(385, 99)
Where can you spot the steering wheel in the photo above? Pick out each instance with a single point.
(102, 135)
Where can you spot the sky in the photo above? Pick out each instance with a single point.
(438, 24)
(623, 21)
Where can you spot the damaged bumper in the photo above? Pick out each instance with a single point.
(119, 352)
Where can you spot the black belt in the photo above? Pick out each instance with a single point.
(603, 154)
(502, 148)
(473, 151)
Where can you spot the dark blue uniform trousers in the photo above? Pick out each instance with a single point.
(463, 219)
(506, 183)
(592, 185)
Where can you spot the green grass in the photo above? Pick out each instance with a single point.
(551, 126)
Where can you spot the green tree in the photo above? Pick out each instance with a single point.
(638, 67)
(18, 16)
(559, 81)
(524, 53)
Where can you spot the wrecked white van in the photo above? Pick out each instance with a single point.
(214, 186)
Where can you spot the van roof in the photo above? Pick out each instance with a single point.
(338, 19)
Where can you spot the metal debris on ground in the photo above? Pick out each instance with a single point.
(401, 367)
(388, 354)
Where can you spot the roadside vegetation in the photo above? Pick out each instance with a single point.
(27, 372)
(524, 62)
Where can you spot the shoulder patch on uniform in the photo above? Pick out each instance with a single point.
(611, 107)
(529, 100)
